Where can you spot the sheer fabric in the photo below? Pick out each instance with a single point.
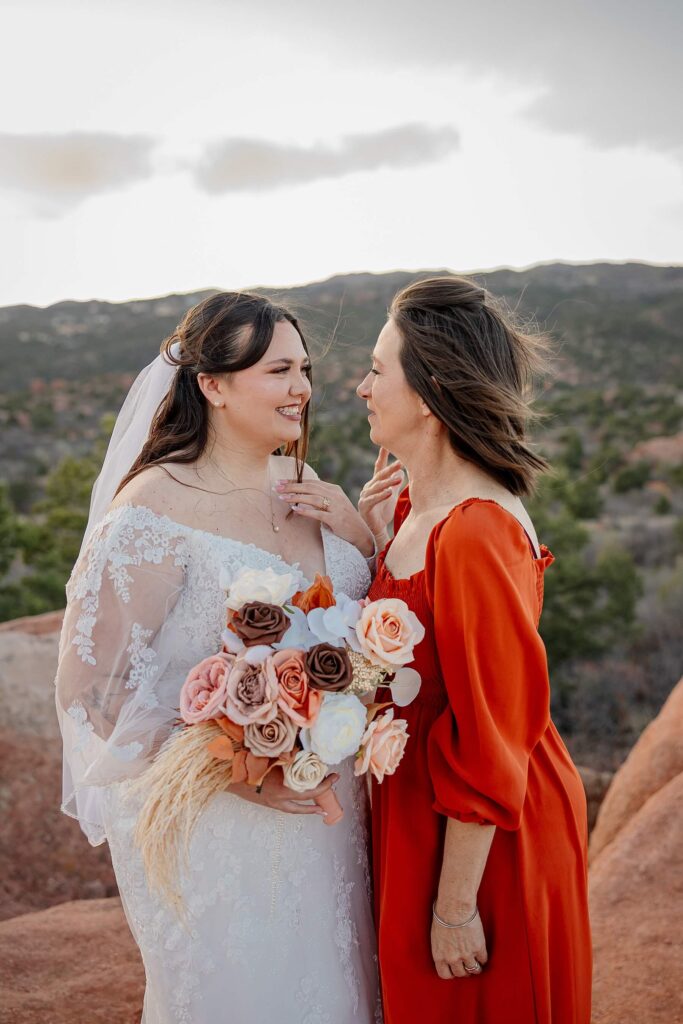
(278, 921)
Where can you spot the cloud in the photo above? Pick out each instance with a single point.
(607, 70)
(58, 172)
(253, 165)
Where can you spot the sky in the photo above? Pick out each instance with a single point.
(150, 147)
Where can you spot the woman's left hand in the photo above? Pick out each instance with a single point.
(453, 949)
(315, 499)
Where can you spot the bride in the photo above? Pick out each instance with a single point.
(277, 919)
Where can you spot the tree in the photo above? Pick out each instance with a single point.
(8, 532)
(587, 608)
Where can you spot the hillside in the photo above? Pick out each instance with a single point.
(612, 426)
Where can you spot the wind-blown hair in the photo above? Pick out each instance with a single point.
(472, 367)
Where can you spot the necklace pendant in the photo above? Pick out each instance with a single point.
(276, 529)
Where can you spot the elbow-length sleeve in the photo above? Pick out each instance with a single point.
(115, 701)
(482, 588)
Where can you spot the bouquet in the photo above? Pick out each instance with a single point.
(292, 686)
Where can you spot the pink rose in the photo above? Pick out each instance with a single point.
(252, 692)
(296, 699)
(388, 631)
(382, 746)
(203, 692)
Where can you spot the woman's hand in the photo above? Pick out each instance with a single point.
(315, 499)
(273, 793)
(378, 498)
(453, 949)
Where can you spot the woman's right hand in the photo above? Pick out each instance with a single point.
(274, 793)
(378, 498)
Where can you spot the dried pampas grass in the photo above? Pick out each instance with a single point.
(176, 788)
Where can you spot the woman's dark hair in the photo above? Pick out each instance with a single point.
(472, 367)
(225, 333)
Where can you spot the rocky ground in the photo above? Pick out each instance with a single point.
(66, 954)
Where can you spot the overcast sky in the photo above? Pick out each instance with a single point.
(153, 147)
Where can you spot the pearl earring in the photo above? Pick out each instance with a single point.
(217, 404)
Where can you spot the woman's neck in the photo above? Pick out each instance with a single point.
(243, 465)
(439, 477)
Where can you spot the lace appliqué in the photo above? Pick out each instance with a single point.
(84, 727)
(345, 934)
(312, 1001)
(142, 671)
(133, 536)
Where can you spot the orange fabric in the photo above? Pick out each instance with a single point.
(482, 748)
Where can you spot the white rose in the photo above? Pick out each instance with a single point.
(264, 585)
(338, 729)
(306, 771)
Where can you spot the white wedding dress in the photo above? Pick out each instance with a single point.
(277, 908)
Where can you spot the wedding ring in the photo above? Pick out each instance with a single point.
(326, 504)
(473, 970)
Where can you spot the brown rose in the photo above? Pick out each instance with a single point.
(257, 623)
(270, 739)
(328, 668)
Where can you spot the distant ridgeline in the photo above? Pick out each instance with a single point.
(616, 323)
(612, 511)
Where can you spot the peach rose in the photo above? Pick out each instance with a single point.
(296, 697)
(203, 692)
(382, 746)
(388, 631)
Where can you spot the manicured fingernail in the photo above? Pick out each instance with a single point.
(280, 485)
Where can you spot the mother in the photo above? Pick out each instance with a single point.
(482, 831)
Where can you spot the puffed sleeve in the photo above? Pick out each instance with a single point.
(116, 698)
(482, 588)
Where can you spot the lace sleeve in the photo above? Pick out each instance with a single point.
(116, 644)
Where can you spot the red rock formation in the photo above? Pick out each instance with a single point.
(35, 625)
(655, 759)
(636, 901)
(636, 881)
(44, 856)
(72, 964)
(667, 449)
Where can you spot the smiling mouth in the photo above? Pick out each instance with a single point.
(290, 412)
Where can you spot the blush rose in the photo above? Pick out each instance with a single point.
(203, 692)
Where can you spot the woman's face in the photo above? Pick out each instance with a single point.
(394, 409)
(264, 404)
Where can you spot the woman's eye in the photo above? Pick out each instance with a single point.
(376, 372)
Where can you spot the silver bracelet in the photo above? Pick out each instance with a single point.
(445, 924)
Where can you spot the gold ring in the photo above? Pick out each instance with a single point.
(326, 504)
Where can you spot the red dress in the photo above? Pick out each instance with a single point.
(482, 748)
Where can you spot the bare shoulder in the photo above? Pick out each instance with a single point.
(285, 467)
(152, 488)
